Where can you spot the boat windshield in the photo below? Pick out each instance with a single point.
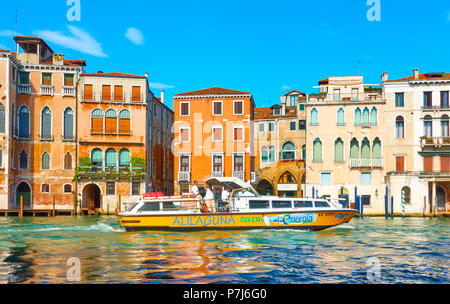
(132, 206)
(244, 193)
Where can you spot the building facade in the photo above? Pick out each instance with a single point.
(280, 137)
(344, 142)
(213, 136)
(417, 145)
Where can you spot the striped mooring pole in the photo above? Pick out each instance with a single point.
(403, 203)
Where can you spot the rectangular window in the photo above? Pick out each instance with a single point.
(444, 100)
(184, 163)
(136, 94)
(302, 124)
(24, 77)
(238, 107)
(271, 126)
(261, 127)
(399, 163)
(259, 204)
(184, 109)
(427, 100)
(217, 163)
(135, 187)
(337, 95)
(238, 165)
(354, 94)
(46, 79)
(399, 99)
(217, 108)
(292, 125)
(106, 92)
(238, 133)
(365, 199)
(301, 107)
(325, 178)
(217, 133)
(68, 80)
(88, 92)
(110, 188)
(277, 111)
(428, 163)
(281, 204)
(184, 134)
(303, 204)
(445, 163)
(118, 93)
(366, 178)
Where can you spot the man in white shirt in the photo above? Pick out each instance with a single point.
(226, 197)
(197, 195)
(209, 198)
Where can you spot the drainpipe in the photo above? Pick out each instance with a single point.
(75, 203)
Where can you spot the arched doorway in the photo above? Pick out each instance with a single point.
(441, 198)
(287, 185)
(91, 198)
(344, 195)
(23, 190)
(264, 187)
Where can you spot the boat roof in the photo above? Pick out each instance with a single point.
(232, 182)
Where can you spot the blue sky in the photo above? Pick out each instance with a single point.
(264, 47)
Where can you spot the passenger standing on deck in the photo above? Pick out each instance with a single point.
(209, 198)
(198, 196)
(226, 197)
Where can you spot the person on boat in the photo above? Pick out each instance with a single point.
(226, 197)
(209, 199)
(198, 196)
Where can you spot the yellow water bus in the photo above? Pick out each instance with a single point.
(246, 210)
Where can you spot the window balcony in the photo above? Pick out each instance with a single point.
(47, 90)
(24, 89)
(69, 91)
(184, 176)
(111, 132)
(217, 174)
(366, 162)
(434, 141)
(330, 96)
(67, 138)
(239, 175)
(46, 137)
(111, 172)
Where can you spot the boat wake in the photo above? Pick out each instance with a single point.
(96, 227)
(342, 226)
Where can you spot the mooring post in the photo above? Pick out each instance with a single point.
(386, 203)
(392, 207)
(361, 206)
(54, 213)
(120, 204)
(107, 209)
(21, 206)
(403, 203)
(313, 192)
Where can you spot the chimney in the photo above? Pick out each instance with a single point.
(162, 96)
(416, 74)
(146, 75)
(384, 76)
(58, 59)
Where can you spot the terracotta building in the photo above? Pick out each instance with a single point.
(213, 136)
(280, 147)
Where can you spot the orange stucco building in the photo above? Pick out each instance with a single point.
(212, 136)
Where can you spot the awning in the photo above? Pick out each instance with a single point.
(231, 182)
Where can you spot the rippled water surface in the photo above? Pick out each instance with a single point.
(410, 250)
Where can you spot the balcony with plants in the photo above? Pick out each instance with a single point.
(87, 170)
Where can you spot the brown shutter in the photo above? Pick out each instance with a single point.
(88, 92)
(106, 92)
(185, 109)
(124, 126)
(238, 107)
(97, 125)
(428, 163)
(400, 163)
(118, 93)
(445, 163)
(111, 125)
(136, 94)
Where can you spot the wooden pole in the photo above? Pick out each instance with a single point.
(54, 213)
(21, 206)
(120, 204)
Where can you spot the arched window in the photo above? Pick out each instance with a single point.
(68, 124)
(68, 161)
(110, 158)
(271, 154)
(406, 195)
(45, 188)
(111, 121)
(339, 151)
(264, 154)
(45, 161)
(357, 117)
(354, 149)
(287, 178)
(365, 149)
(97, 157)
(373, 117)
(399, 127)
(317, 151)
(23, 122)
(428, 126)
(124, 122)
(97, 121)
(340, 117)
(288, 151)
(445, 127)
(314, 117)
(376, 148)
(124, 158)
(365, 117)
(67, 188)
(2, 118)
(46, 123)
(304, 152)
(23, 160)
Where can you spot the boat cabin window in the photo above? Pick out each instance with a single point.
(303, 204)
(259, 204)
(170, 206)
(244, 193)
(149, 207)
(321, 204)
(281, 204)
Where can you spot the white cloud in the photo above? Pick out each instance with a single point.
(9, 33)
(157, 85)
(80, 41)
(448, 16)
(285, 87)
(135, 36)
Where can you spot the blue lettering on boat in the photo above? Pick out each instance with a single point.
(294, 219)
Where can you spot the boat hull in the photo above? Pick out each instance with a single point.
(309, 220)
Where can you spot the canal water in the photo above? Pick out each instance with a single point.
(369, 250)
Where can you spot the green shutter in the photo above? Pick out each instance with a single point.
(373, 117)
(339, 151)
(376, 149)
(365, 149)
(354, 149)
(124, 158)
(111, 158)
(317, 151)
(357, 117)
(365, 117)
